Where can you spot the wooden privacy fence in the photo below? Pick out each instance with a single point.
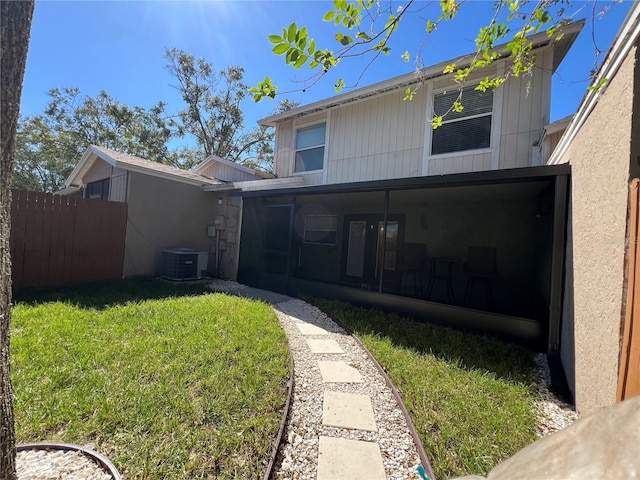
(58, 240)
(629, 369)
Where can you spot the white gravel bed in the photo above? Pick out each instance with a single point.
(553, 414)
(298, 454)
(58, 465)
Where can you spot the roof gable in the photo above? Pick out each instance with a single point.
(134, 164)
(214, 159)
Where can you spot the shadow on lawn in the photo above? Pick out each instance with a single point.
(468, 350)
(102, 295)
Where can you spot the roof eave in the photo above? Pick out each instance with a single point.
(86, 161)
(165, 175)
(626, 37)
(540, 40)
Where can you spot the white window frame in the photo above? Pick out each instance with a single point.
(459, 153)
(304, 235)
(305, 126)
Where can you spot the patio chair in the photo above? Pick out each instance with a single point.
(412, 266)
(481, 269)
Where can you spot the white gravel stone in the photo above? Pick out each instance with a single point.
(399, 455)
(58, 464)
(552, 413)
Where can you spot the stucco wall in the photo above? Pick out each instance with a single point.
(600, 158)
(164, 214)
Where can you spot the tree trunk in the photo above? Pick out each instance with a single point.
(15, 18)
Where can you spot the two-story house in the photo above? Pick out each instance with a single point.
(462, 224)
(465, 225)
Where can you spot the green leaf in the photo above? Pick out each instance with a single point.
(449, 68)
(461, 74)
(457, 107)
(436, 122)
(363, 36)
(275, 39)
(302, 59)
(291, 33)
(405, 56)
(330, 15)
(431, 26)
(408, 94)
(293, 56)
(449, 9)
(346, 40)
(598, 86)
(339, 85)
(280, 48)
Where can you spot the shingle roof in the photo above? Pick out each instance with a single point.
(123, 160)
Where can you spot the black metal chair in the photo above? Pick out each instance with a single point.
(481, 268)
(412, 266)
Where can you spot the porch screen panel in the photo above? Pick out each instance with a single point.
(356, 249)
(390, 246)
(276, 238)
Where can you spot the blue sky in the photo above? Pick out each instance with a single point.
(119, 47)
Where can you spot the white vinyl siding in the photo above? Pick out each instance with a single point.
(227, 173)
(283, 158)
(525, 111)
(98, 171)
(118, 189)
(381, 137)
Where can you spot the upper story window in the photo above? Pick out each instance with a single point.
(466, 130)
(310, 148)
(99, 189)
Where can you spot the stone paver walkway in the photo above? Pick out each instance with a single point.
(340, 458)
(344, 422)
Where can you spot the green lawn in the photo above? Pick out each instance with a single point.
(469, 396)
(168, 382)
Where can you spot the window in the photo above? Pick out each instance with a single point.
(310, 148)
(99, 189)
(466, 130)
(321, 229)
